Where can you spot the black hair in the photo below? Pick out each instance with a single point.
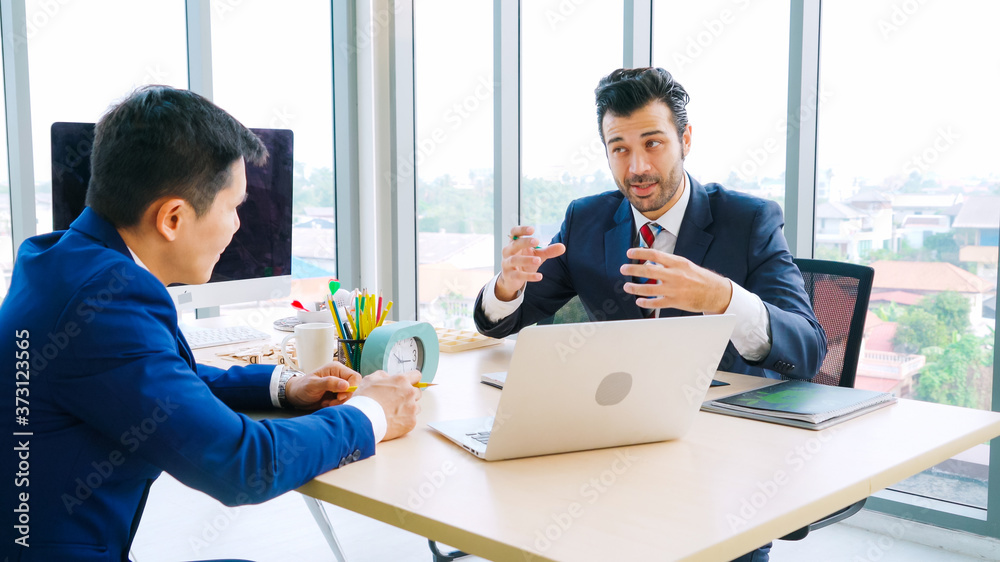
(627, 89)
(164, 142)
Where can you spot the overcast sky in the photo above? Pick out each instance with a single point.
(895, 86)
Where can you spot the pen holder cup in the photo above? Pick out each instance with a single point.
(349, 353)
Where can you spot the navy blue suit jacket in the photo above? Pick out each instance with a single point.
(736, 235)
(114, 397)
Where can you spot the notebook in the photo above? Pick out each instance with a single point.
(801, 404)
(572, 387)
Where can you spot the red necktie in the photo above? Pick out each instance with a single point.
(646, 237)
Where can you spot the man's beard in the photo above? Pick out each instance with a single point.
(664, 192)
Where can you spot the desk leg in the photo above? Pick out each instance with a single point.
(444, 556)
(319, 514)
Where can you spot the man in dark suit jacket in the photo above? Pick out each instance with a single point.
(110, 394)
(663, 245)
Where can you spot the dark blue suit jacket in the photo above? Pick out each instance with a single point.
(114, 397)
(736, 235)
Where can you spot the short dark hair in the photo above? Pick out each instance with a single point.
(627, 89)
(164, 142)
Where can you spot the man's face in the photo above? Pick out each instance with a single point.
(647, 157)
(207, 236)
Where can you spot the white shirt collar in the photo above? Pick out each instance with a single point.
(137, 260)
(672, 219)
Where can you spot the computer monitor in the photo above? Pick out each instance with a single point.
(257, 264)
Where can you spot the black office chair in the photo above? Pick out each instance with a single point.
(839, 295)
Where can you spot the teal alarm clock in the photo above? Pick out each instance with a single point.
(400, 347)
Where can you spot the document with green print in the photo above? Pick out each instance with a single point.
(801, 404)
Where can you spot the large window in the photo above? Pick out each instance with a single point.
(6, 234)
(84, 56)
(566, 48)
(272, 68)
(732, 58)
(454, 91)
(907, 183)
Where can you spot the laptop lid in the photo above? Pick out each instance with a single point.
(573, 387)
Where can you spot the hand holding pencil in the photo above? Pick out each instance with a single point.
(398, 396)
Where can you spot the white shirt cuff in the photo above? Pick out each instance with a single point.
(374, 412)
(496, 309)
(273, 387)
(752, 335)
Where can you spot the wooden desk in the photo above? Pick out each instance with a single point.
(728, 487)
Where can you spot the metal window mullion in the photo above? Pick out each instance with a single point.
(18, 107)
(345, 141)
(993, 491)
(402, 260)
(803, 95)
(638, 33)
(506, 122)
(371, 46)
(199, 47)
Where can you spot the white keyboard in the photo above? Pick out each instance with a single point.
(208, 337)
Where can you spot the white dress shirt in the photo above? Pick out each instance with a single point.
(752, 335)
(368, 406)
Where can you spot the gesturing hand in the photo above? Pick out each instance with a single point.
(682, 284)
(521, 262)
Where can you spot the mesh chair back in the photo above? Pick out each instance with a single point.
(839, 295)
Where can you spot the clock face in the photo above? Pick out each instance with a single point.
(404, 356)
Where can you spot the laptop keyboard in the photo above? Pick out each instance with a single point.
(481, 436)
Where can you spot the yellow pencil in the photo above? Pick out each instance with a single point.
(415, 385)
(353, 324)
(385, 313)
(370, 309)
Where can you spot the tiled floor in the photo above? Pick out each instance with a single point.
(182, 524)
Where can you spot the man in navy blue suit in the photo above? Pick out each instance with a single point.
(663, 245)
(106, 393)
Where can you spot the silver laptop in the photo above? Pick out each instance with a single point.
(573, 387)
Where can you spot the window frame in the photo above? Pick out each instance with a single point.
(376, 81)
